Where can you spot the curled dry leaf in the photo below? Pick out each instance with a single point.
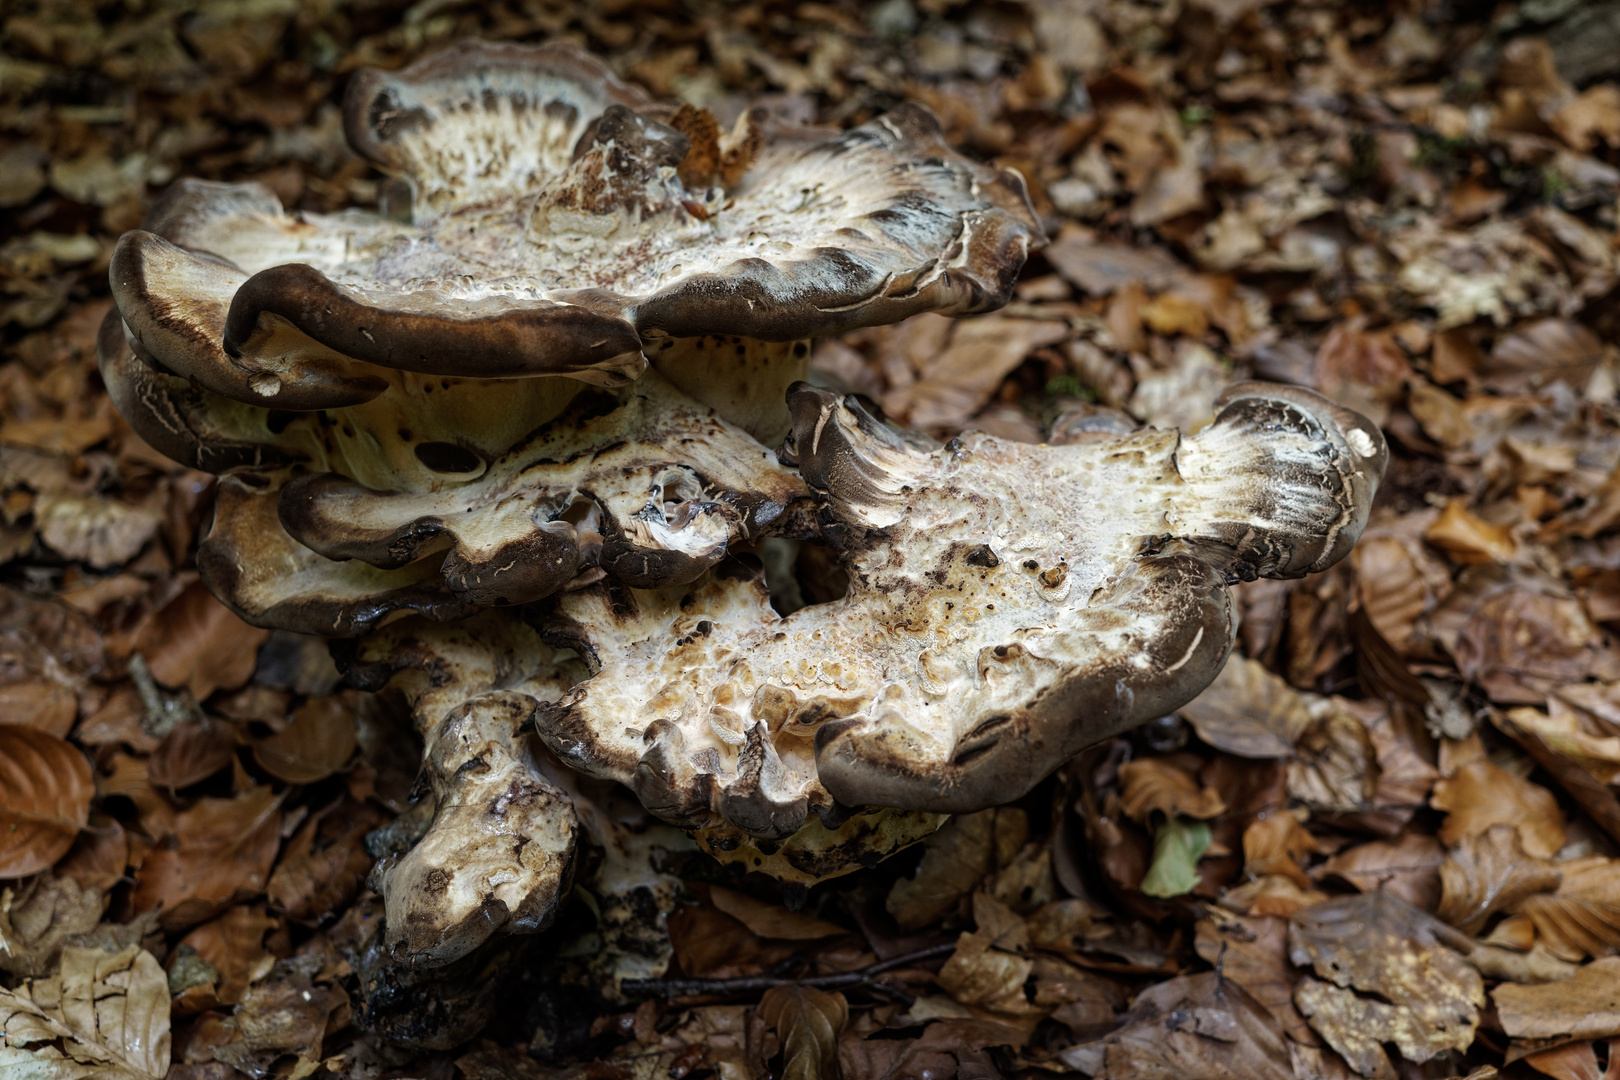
(1195, 1025)
(1393, 976)
(38, 918)
(1584, 1006)
(317, 742)
(1248, 711)
(1480, 795)
(325, 862)
(771, 920)
(220, 853)
(956, 859)
(1408, 867)
(1560, 728)
(1156, 784)
(1468, 538)
(290, 1011)
(103, 1015)
(1278, 843)
(233, 945)
(1487, 874)
(808, 1021)
(1252, 951)
(194, 641)
(193, 750)
(1336, 764)
(45, 792)
(989, 968)
(1582, 918)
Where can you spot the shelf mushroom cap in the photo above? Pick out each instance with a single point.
(559, 226)
(1009, 605)
(570, 363)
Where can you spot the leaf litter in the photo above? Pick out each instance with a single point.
(1384, 840)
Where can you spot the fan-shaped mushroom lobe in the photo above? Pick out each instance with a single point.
(1009, 605)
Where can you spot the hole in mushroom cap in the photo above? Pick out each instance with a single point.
(801, 575)
(443, 457)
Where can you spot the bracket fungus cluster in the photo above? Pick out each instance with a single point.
(528, 449)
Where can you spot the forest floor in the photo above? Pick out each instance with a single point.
(1386, 842)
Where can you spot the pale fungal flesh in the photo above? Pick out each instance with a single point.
(568, 389)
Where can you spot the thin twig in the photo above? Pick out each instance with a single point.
(755, 984)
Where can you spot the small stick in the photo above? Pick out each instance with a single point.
(754, 984)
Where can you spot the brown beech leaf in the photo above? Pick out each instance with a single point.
(290, 1011)
(1582, 918)
(1573, 1061)
(1270, 895)
(103, 1015)
(1584, 1006)
(771, 920)
(220, 853)
(1335, 768)
(1252, 951)
(1248, 711)
(1399, 578)
(45, 792)
(1490, 873)
(124, 777)
(1191, 1026)
(988, 968)
(317, 742)
(1469, 539)
(325, 862)
(1277, 843)
(1150, 785)
(194, 641)
(961, 854)
(192, 751)
(1408, 867)
(808, 1021)
(1362, 370)
(234, 945)
(1480, 795)
(1393, 974)
(39, 918)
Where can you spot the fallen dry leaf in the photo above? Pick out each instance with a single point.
(317, 742)
(220, 853)
(104, 1015)
(1252, 951)
(1191, 1026)
(1480, 795)
(1584, 1006)
(808, 1021)
(988, 968)
(325, 862)
(195, 642)
(1278, 843)
(45, 793)
(193, 750)
(1156, 785)
(1469, 539)
(771, 920)
(1392, 976)
(1248, 711)
(1408, 867)
(1490, 873)
(1582, 918)
(290, 1011)
(956, 858)
(233, 945)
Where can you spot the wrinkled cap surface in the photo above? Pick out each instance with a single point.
(1009, 605)
(559, 224)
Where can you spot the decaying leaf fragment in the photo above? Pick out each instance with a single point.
(808, 1021)
(109, 1011)
(1584, 1006)
(1487, 874)
(1193, 1026)
(1394, 974)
